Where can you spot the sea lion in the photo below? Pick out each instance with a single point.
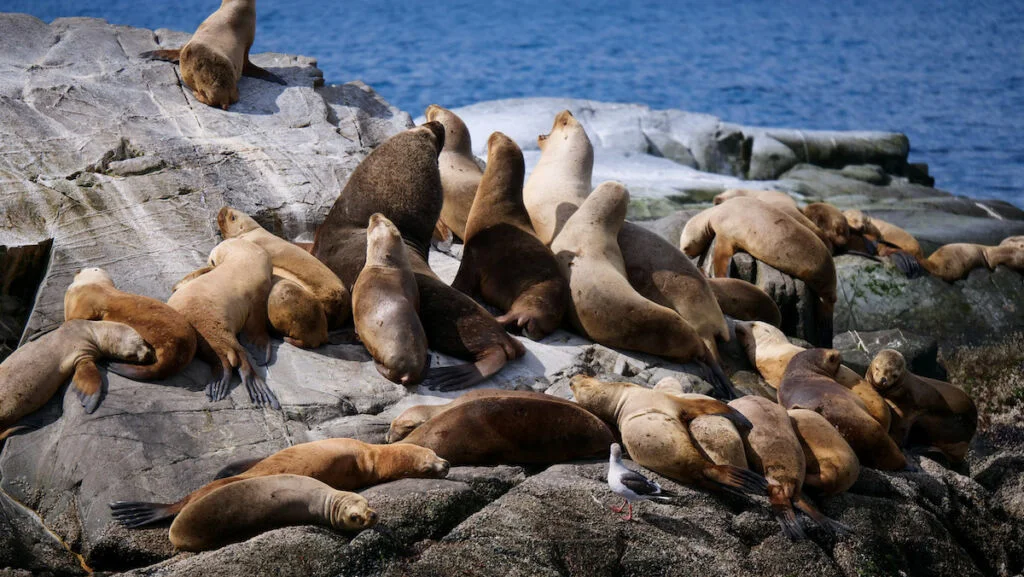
(832, 466)
(770, 351)
(345, 464)
(929, 412)
(386, 304)
(894, 237)
(503, 261)
(460, 172)
(744, 301)
(296, 314)
(771, 236)
(220, 302)
(809, 383)
(779, 200)
(93, 297)
(293, 263)
(952, 262)
(653, 425)
(513, 430)
(1017, 241)
(604, 306)
(400, 180)
(245, 509)
(215, 58)
(415, 416)
(714, 435)
(831, 221)
(561, 182)
(35, 371)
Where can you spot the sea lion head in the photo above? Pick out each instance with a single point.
(121, 341)
(411, 418)
(566, 129)
(456, 134)
(233, 222)
(384, 246)
(93, 275)
(856, 220)
(1014, 241)
(434, 131)
(417, 462)
(886, 370)
(831, 221)
(595, 396)
(828, 360)
(351, 512)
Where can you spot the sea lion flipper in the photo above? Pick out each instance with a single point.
(736, 478)
(907, 264)
(134, 514)
(220, 379)
(250, 69)
(453, 378)
(784, 514)
(259, 393)
(87, 384)
(169, 55)
(805, 505)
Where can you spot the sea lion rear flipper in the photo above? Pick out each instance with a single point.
(907, 264)
(250, 69)
(723, 387)
(169, 55)
(784, 514)
(134, 514)
(237, 468)
(259, 393)
(731, 477)
(87, 384)
(458, 377)
(804, 504)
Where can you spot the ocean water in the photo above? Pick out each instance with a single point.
(948, 74)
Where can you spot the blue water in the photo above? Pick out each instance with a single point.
(948, 74)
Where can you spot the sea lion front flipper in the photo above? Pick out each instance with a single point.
(87, 384)
(250, 69)
(782, 507)
(169, 55)
(458, 377)
(135, 514)
(804, 504)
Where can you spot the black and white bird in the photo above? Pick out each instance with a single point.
(630, 485)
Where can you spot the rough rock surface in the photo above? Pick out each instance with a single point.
(107, 155)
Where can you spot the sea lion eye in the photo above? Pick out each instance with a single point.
(353, 518)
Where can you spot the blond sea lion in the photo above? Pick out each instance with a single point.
(345, 464)
(503, 261)
(653, 426)
(293, 263)
(460, 172)
(604, 306)
(245, 509)
(744, 301)
(779, 200)
(831, 221)
(952, 262)
(929, 412)
(1017, 241)
(771, 236)
(809, 383)
(715, 435)
(220, 302)
(295, 314)
(400, 180)
(215, 58)
(386, 304)
(93, 297)
(832, 466)
(895, 238)
(513, 430)
(34, 372)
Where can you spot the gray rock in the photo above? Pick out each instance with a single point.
(25, 544)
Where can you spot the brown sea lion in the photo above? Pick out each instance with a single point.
(245, 509)
(771, 236)
(293, 263)
(215, 58)
(460, 172)
(929, 412)
(653, 425)
(832, 466)
(831, 221)
(223, 299)
(715, 435)
(93, 297)
(604, 306)
(386, 304)
(38, 369)
(296, 314)
(400, 180)
(809, 383)
(513, 430)
(503, 261)
(345, 464)
(744, 301)
(952, 262)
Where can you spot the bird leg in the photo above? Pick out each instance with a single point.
(620, 508)
(628, 517)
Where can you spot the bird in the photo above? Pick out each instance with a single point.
(630, 485)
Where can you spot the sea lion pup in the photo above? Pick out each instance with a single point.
(38, 369)
(770, 351)
(295, 314)
(386, 304)
(809, 383)
(220, 302)
(245, 509)
(929, 412)
(92, 296)
(345, 464)
(769, 235)
(831, 221)
(293, 263)
(513, 430)
(654, 431)
(400, 180)
(604, 306)
(460, 173)
(952, 262)
(715, 435)
(503, 261)
(832, 466)
(744, 301)
(215, 58)
(656, 269)
(415, 416)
